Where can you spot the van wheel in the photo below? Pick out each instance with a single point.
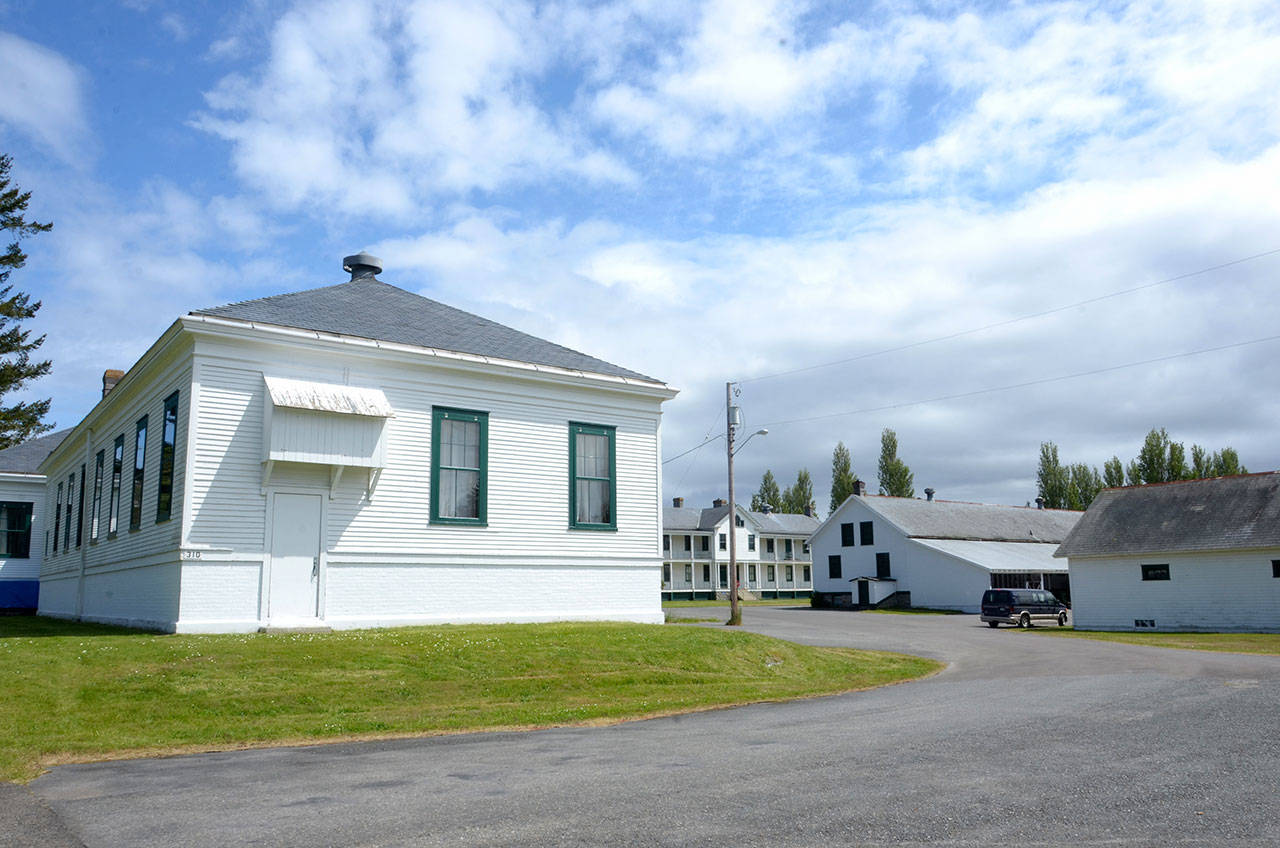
(1025, 621)
(1062, 619)
(993, 624)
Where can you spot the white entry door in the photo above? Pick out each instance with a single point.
(295, 557)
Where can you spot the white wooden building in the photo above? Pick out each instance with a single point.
(1194, 555)
(772, 552)
(877, 550)
(22, 527)
(354, 456)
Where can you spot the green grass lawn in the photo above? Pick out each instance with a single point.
(1232, 643)
(83, 692)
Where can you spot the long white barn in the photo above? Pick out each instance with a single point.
(876, 550)
(352, 456)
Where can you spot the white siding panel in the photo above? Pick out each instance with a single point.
(1209, 591)
(220, 596)
(58, 596)
(299, 435)
(367, 595)
(135, 597)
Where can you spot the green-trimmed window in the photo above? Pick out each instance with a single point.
(168, 438)
(139, 468)
(97, 495)
(15, 530)
(592, 473)
(459, 466)
(117, 470)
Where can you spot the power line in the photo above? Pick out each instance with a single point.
(1015, 320)
(1011, 386)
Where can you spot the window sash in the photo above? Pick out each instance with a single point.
(139, 472)
(117, 473)
(592, 477)
(66, 528)
(459, 466)
(15, 529)
(98, 463)
(168, 440)
(57, 518)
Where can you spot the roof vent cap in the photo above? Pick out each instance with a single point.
(362, 265)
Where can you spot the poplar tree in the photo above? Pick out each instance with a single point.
(896, 478)
(1112, 473)
(767, 494)
(842, 476)
(1052, 479)
(799, 497)
(23, 420)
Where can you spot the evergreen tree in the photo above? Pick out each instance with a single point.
(1052, 478)
(896, 478)
(1112, 473)
(842, 476)
(21, 421)
(767, 494)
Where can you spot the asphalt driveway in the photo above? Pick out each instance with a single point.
(1024, 739)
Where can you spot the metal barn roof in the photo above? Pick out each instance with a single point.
(1000, 556)
(938, 519)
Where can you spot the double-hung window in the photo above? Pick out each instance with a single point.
(15, 530)
(117, 470)
(139, 466)
(66, 530)
(80, 509)
(97, 495)
(57, 518)
(168, 438)
(592, 477)
(459, 466)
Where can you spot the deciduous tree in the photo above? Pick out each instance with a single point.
(842, 476)
(896, 478)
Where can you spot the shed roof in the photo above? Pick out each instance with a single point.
(1000, 556)
(25, 458)
(368, 308)
(939, 519)
(1219, 513)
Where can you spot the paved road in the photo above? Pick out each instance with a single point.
(1024, 740)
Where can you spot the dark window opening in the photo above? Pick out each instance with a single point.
(57, 518)
(15, 529)
(787, 549)
(882, 565)
(97, 495)
(867, 533)
(846, 535)
(706, 573)
(751, 541)
(80, 510)
(705, 544)
(1155, 572)
(768, 546)
(117, 471)
(1275, 568)
(139, 466)
(833, 566)
(66, 530)
(666, 543)
(168, 438)
(688, 543)
(724, 542)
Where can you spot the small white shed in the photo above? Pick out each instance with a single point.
(1194, 555)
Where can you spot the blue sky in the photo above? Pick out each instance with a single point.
(701, 192)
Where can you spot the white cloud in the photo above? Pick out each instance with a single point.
(367, 109)
(42, 98)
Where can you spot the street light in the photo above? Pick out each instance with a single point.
(732, 416)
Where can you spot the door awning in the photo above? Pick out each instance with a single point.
(328, 397)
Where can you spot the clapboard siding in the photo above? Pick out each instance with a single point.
(26, 491)
(118, 416)
(1224, 590)
(528, 485)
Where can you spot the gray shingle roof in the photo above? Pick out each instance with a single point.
(1220, 513)
(26, 457)
(982, 522)
(371, 309)
(680, 519)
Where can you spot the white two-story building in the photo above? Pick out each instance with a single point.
(772, 552)
(352, 456)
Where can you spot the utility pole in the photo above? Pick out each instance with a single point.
(735, 613)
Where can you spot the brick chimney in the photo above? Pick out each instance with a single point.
(719, 502)
(859, 488)
(109, 379)
(677, 502)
